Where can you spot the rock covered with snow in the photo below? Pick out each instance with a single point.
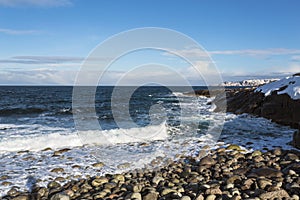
(289, 85)
(253, 82)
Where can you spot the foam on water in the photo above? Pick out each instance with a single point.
(74, 139)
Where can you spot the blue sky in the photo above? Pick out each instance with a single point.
(45, 41)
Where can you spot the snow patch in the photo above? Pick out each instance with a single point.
(289, 85)
(253, 82)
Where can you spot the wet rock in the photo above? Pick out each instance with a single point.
(98, 165)
(53, 184)
(6, 183)
(277, 151)
(123, 166)
(21, 197)
(207, 160)
(57, 170)
(256, 153)
(167, 191)
(150, 196)
(258, 159)
(119, 177)
(291, 157)
(211, 197)
(266, 172)
(47, 149)
(136, 196)
(232, 179)
(99, 181)
(234, 147)
(59, 152)
(280, 194)
(42, 192)
(157, 179)
(13, 192)
(199, 197)
(100, 195)
(4, 177)
(215, 190)
(185, 198)
(264, 182)
(295, 197)
(60, 197)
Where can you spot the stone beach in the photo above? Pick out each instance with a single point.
(228, 172)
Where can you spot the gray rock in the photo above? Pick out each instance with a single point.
(53, 184)
(266, 172)
(185, 198)
(167, 191)
(215, 190)
(136, 195)
(207, 160)
(275, 194)
(21, 197)
(60, 197)
(264, 182)
(13, 192)
(99, 181)
(98, 165)
(157, 179)
(199, 197)
(211, 197)
(150, 196)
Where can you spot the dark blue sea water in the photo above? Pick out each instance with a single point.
(52, 105)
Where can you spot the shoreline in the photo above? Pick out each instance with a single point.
(266, 173)
(222, 173)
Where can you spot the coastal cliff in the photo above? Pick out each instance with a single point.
(278, 101)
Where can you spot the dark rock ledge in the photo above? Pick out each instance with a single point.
(279, 108)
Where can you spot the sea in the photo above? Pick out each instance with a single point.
(154, 125)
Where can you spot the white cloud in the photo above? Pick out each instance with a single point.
(48, 59)
(18, 32)
(296, 58)
(37, 77)
(257, 52)
(197, 53)
(289, 70)
(46, 76)
(38, 3)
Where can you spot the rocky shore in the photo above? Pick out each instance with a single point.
(278, 101)
(224, 173)
(279, 108)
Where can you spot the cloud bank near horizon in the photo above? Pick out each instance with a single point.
(44, 76)
(62, 70)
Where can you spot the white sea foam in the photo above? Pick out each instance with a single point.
(178, 94)
(73, 139)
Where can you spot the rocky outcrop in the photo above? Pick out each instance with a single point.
(280, 108)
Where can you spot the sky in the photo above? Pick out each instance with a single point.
(45, 42)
